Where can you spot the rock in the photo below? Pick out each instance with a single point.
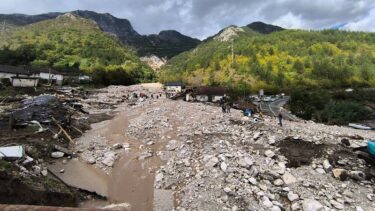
(312, 205)
(150, 143)
(172, 145)
(44, 172)
(245, 162)
(266, 202)
(327, 166)
(292, 196)
(358, 208)
(212, 162)
(275, 208)
(369, 196)
(117, 146)
(269, 153)
(341, 174)
(109, 159)
(91, 161)
(288, 178)
(337, 205)
(278, 182)
(227, 190)
(253, 181)
(271, 140)
(144, 155)
(57, 155)
(320, 171)
(126, 145)
(256, 136)
(37, 170)
(357, 175)
(62, 171)
(223, 166)
(27, 161)
(159, 177)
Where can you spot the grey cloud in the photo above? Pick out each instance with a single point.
(202, 18)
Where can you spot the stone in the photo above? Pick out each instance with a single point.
(327, 166)
(37, 170)
(269, 153)
(271, 140)
(288, 178)
(292, 196)
(44, 172)
(337, 205)
(91, 161)
(266, 202)
(320, 171)
(172, 145)
(62, 171)
(117, 146)
(278, 182)
(312, 205)
(109, 159)
(27, 160)
(369, 197)
(275, 208)
(159, 177)
(212, 162)
(256, 135)
(357, 175)
(253, 181)
(340, 174)
(223, 166)
(57, 155)
(227, 190)
(245, 162)
(144, 155)
(358, 208)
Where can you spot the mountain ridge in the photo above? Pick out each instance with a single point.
(157, 44)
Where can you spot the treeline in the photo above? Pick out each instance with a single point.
(280, 61)
(335, 107)
(74, 44)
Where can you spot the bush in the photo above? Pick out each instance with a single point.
(343, 112)
(306, 104)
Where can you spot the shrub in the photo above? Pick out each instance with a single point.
(343, 112)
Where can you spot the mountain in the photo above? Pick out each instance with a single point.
(264, 28)
(70, 42)
(164, 44)
(277, 61)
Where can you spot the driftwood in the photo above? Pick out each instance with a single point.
(64, 131)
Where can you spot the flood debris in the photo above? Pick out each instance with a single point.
(12, 152)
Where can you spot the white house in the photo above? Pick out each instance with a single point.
(51, 75)
(24, 81)
(7, 71)
(173, 88)
(206, 94)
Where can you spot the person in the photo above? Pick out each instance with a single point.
(280, 116)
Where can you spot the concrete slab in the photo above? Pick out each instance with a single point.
(82, 176)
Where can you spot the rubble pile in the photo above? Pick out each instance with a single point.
(227, 162)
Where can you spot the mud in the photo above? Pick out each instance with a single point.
(300, 152)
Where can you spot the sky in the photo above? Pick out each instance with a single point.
(203, 18)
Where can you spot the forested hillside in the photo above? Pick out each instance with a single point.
(73, 43)
(279, 61)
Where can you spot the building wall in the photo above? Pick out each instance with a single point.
(202, 98)
(174, 89)
(59, 78)
(217, 98)
(9, 75)
(23, 82)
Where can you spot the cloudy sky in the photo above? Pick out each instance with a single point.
(202, 18)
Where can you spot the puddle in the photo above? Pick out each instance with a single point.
(300, 152)
(82, 176)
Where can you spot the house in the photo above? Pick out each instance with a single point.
(24, 81)
(173, 88)
(7, 72)
(50, 75)
(206, 94)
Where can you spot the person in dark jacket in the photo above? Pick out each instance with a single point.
(280, 117)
